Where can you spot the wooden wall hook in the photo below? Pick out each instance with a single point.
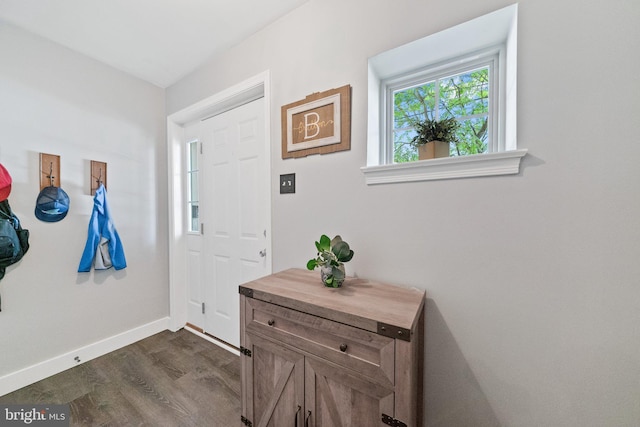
(49, 170)
(98, 175)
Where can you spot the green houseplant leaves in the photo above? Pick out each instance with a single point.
(435, 130)
(331, 256)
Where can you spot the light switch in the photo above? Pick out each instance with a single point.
(288, 183)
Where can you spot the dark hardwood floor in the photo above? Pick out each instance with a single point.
(169, 379)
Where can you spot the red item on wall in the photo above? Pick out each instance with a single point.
(5, 183)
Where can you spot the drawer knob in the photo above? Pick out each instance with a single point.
(343, 347)
(271, 322)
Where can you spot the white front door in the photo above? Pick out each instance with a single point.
(234, 194)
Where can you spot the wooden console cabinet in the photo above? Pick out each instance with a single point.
(314, 356)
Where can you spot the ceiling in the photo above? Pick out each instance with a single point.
(159, 41)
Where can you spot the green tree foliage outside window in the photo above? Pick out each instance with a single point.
(464, 97)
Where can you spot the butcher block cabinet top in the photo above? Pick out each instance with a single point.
(377, 307)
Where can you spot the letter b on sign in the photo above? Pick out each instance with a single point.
(311, 125)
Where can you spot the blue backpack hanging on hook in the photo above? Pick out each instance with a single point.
(14, 240)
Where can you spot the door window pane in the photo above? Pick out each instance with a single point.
(193, 190)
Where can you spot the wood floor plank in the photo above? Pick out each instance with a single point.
(85, 411)
(168, 379)
(117, 409)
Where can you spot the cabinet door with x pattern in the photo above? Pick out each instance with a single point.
(275, 386)
(338, 397)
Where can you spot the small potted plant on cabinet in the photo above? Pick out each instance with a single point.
(332, 254)
(434, 137)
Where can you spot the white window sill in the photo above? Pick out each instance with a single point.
(490, 164)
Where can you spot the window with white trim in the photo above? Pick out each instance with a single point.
(464, 92)
(467, 72)
(193, 190)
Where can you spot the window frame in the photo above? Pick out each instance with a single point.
(494, 32)
(486, 58)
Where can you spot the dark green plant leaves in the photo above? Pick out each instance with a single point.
(331, 253)
(342, 251)
(338, 274)
(436, 130)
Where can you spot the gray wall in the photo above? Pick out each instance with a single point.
(532, 279)
(55, 101)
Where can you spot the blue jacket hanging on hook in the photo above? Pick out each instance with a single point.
(104, 248)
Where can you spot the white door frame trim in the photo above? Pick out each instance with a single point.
(236, 95)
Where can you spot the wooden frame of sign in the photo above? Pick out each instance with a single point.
(318, 124)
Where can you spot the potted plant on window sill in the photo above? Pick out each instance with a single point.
(434, 137)
(332, 254)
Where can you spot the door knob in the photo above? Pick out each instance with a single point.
(263, 253)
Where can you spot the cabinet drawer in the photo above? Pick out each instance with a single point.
(357, 349)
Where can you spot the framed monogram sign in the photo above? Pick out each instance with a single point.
(318, 124)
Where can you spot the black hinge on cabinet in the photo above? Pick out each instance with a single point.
(247, 292)
(245, 351)
(245, 421)
(390, 421)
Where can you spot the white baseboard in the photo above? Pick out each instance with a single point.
(29, 375)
